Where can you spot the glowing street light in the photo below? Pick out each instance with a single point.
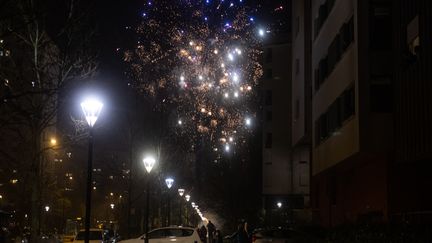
(149, 163)
(279, 204)
(112, 205)
(47, 208)
(181, 192)
(187, 197)
(169, 182)
(91, 108)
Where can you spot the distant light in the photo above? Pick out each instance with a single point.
(248, 121)
(226, 95)
(231, 139)
(187, 197)
(1, 196)
(112, 205)
(169, 182)
(227, 148)
(47, 208)
(236, 94)
(182, 78)
(180, 122)
(216, 51)
(191, 43)
(251, 19)
(53, 141)
(181, 191)
(200, 77)
(279, 204)
(94, 188)
(230, 57)
(222, 65)
(235, 77)
(261, 32)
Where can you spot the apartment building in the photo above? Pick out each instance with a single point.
(351, 67)
(411, 181)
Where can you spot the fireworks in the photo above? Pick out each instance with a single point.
(202, 57)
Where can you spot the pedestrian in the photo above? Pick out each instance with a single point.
(203, 234)
(211, 229)
(242, 234)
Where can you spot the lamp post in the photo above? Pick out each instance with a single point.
(149, 162)
(169, 182)
(181, 192)
(187, 197)
(91, 109)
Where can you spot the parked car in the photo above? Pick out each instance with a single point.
(279, 235)
(169, 235)
(95, 236)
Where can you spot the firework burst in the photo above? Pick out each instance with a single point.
(202, 57)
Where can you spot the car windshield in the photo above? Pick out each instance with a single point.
(164, 233)
(94, 235)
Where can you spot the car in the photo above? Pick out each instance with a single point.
(95, 236)
(169, 235)
(278, 235)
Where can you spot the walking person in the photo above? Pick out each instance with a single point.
(211, 229)
(242, 234)
(203, 234)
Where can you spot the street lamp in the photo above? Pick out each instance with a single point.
(169, 182)
(91, 109)
(47, 208)
(187, 197)
(149, 162)
(181, 192)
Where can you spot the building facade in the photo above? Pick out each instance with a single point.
(301, 130)
(410, 179)
(351, 108)
(285, 171)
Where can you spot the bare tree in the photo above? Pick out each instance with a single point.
(40, 62)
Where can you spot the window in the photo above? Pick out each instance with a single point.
(269, 73)
(269, 55)
(323, 13)
(268, 97)
(269, 115)
(334, 53)
(380, 26)
(269, 140)
(413, 39)
(381, 94)
(332, 120)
